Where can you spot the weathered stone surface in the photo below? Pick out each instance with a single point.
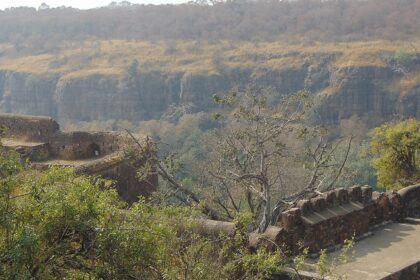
(410, 198)
(290, 218)
(215, 228)
(363, 92)
(331, 199)
(318, 204)
(366, 195)
(331, 218)
(305, 207)
(382, 208)
(342, 196)
(391, 253)
(355, 193)
(100, 153)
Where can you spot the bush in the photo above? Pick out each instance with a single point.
(57, 224)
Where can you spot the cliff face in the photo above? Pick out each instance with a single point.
(27, 94)
(342, 92)
(363, 92)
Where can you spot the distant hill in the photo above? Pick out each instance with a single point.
(331, 20)
(134, 80)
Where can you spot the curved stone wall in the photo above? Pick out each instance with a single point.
(93, 153)
(410, 198)
(28, 128)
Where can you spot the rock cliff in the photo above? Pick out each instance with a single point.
(341, 92)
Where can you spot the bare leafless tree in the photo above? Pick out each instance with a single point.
(250, 161)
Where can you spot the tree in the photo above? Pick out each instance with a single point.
(56, 224)
(254, 162)
(132, 70)
(43, 6)
(396, 148)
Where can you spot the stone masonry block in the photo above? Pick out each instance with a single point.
(342, 196)
(331, 199)
(318, 203)
(305, 207)
(366, 195)
(355, 194)
(290, 218)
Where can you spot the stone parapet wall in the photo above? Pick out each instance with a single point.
(28, 127)
(83, 145)
(410, 199)
(329, 219)
(410, 272)
(94, 153)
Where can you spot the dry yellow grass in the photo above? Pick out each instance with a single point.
(292, 62)
(114, 56)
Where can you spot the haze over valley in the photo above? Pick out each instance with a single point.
(210, 139)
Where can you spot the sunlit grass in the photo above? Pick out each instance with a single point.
(114, 56)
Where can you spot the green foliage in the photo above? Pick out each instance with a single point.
(299, 260)
(405, 60)
(347, 252)
(132, 70)
(262, 264)
(396, 148)
(57, 224)
(322, 264)
(358, 169)
(260, 20)
(243, 219)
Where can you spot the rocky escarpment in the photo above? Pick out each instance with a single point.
(342, 92)
(27, 94)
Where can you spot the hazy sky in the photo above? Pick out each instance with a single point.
(82, 4)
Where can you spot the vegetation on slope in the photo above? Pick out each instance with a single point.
(113, 57)
(224, 19)
(397, 151)
(56, 225)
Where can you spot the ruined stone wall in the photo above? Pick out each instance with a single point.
(116, 168)
(84, 145)
(28, 128)
(128, 185)
(92, 153)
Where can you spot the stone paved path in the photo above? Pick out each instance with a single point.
(391, 248)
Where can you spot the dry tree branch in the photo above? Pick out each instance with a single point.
(173, 183)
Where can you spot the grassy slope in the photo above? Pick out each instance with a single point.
(75, 60)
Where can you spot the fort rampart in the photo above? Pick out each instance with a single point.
(326, 221)
(321, 222)
(95, 153)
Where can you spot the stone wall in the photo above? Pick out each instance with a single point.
(410, 198)
(83, 145)
(326, 221)
(92, 153)
(28, 127)
(329, 219)
(116, 168)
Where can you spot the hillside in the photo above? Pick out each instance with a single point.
(254, 20)
(140, 80)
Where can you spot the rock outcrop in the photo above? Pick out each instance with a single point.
(342, 92)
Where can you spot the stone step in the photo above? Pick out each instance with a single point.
(412, 221)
